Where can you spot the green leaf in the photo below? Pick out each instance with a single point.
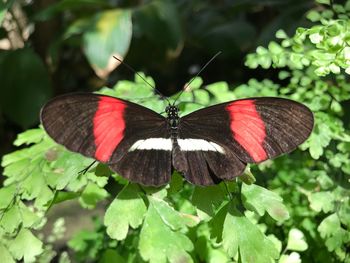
(25, 80)
(25, 246)
(158, 242)
(313, 16)
(86, 244)
(127, 209)
(322, 201)
(259, 199)
(67, 5)
(293, 257)
(7, 194)
(29, 136)
(109, 36)
(296, 240)
(4, 6)
(64, 196)
(169, 215)
(111, 256)
(331, 230)
(11, 219)
(5, 255)
(220, 91)
(325, 2)
(156, 20)
(207, 200)
(28, 216)
(329, 226)
(281, 34)
(91, 195)
(242, 236)
(319, 139)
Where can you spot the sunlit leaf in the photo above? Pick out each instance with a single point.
(242, 236)
(127, 209)
(25, 246)
(158, 240)
(109, 36)
(259, 199)
(296, 240)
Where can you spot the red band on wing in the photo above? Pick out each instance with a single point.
(109, 127)
(248, 128)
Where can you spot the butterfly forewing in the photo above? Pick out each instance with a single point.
(253, 129)
(106, 128)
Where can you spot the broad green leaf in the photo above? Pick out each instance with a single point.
(5, 255)
(207, 200)
(127, 209)
(241, 236)
(158, 242)
(322, 201)
(296, 240)
(259, 199)
(25, 246)
(161, 23)
(109, 36)
(91, 195)
(24, 80)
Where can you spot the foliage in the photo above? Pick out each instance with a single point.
(304, 216)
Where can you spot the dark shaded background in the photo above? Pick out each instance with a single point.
(31, 42)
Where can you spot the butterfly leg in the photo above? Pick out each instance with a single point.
(86, 169)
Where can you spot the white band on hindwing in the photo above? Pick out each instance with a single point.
(199, 145)
(166, 144)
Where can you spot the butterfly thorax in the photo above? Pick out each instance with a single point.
(173, 118)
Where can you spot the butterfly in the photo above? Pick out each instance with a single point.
(207, 146)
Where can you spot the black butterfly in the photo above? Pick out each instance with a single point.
(206, 146)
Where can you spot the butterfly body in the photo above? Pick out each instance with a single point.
(206, 146)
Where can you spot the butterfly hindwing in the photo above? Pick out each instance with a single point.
(207, 166)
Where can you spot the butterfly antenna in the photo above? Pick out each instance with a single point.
(133, 70)
(199, 72)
